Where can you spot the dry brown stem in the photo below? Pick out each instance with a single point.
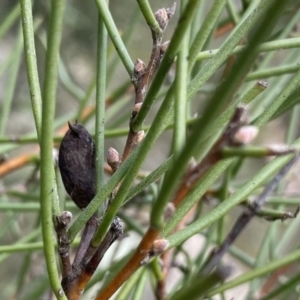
(62, 222)
(17, 162)
(87, 258)
(143, 74)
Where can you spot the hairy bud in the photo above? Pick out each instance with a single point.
(113, 158)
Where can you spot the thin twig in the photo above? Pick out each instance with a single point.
(143, 75)
(89, 266)
(245, 218)
(81, 273)
(62, 222)
(87, 235)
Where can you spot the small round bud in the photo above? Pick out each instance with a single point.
(139, 66)
(163, 47)
(159, 246)
(169, 211)
(65, 218)
(245, 135)
(113, 158)
(162, 18)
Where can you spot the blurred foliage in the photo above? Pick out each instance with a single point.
(23, 269)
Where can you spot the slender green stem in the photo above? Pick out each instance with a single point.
(67, 81)
(153, 176)
(27, 206)
(193, 197)
(149, 16)
(31, 64)
(253, 92)
(6, 63)
(271, 109)
(181, 80)
(20, 247)
(126, 37)
(228, 47)
(288, 285)
(232, 12)
(47, 170)
(100, 105)
(272, 72)
(269, 214)
(115, 36)
(109, 133)
(140, 286)
(127, 288)
(7, 223)
(9, 20)
(205, 30)
(9, 249)
(11, 86)
(265, 47)
(294, 123)
(261, 271)
(275, 200)
(132, 224)
(84, 101)
(224, 192)
(199, 287)
(288, 27)
(252, 151)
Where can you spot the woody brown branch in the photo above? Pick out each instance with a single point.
(143, 74)
(82, 272)
(87, 235)
(90, 265)
(61, 225)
